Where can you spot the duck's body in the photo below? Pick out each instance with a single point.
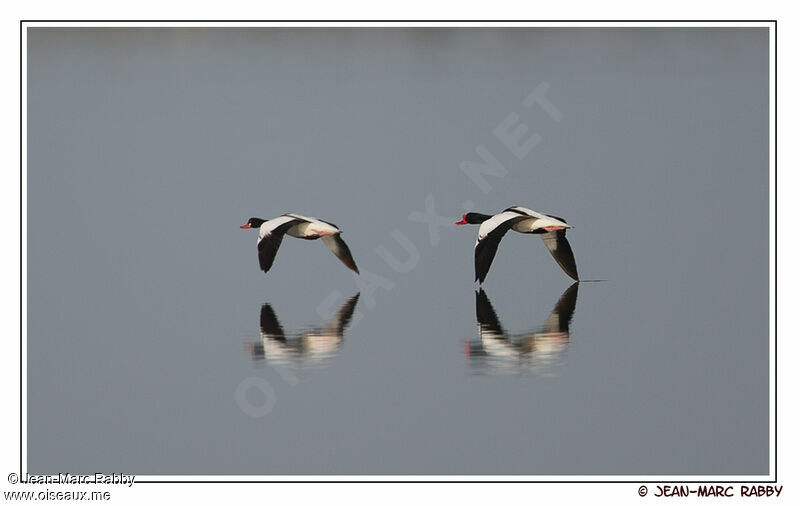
(525, 221)
(271, 232)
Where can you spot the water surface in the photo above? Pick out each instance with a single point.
(157, 346)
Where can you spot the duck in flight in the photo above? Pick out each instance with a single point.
(271, 232)
(520, 219)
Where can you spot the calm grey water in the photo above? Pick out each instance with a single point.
(157, 346)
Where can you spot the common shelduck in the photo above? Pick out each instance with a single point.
(520, 219)
(271, 232)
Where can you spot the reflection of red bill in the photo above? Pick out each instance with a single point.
(553, 229)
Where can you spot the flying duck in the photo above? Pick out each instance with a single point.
(520, 219)
(271, 232)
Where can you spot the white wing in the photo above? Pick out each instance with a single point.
(488, 226)
(271, 225)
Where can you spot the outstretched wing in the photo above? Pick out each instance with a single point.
(559, 247)
(489, 235)
(340, 249)
(270, 236)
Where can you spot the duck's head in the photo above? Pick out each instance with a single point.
(473, 219)
(253, 223)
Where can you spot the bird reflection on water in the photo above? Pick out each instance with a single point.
(537, 352)
(309, 348)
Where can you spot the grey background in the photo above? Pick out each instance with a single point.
(147, 148)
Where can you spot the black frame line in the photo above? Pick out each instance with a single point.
(774, 90)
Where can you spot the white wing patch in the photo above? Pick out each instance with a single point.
(493, 222)
(268, 226)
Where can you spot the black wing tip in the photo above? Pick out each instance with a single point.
(343, 254)
(571, 269)
(265, 264)
(571, 274)
(351, 264)
(480, 272)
